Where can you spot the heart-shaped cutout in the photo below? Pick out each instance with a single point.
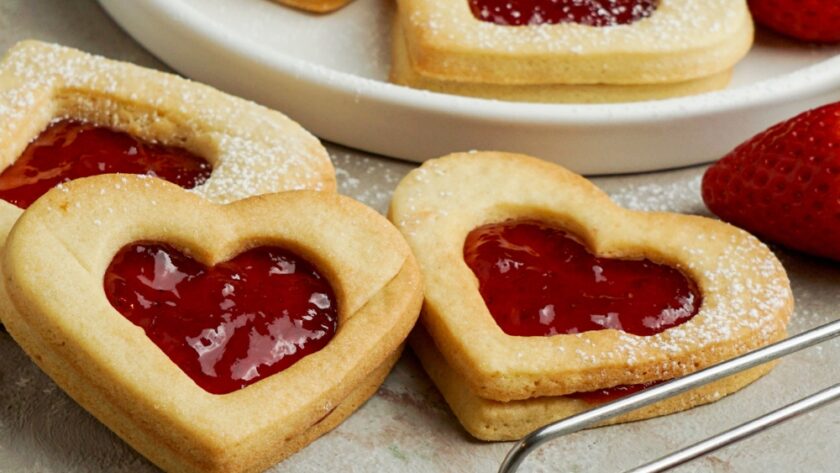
(746, 298)
(69, 149)
(55, 263)
(538, 280)
(229, 325)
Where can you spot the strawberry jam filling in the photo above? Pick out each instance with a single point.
(602, 396)
(538, 280)
(69, 150)
(230, 325)
(584, 12)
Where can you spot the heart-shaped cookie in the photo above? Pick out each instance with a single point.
(55, 263)
(252, 150)
(743, 292)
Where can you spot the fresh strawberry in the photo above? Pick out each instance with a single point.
(784, 183)
(808, 20)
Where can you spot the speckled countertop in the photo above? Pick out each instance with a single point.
(407, 427)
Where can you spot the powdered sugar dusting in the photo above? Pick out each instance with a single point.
(754, 282)
(368, 180)
(676, 196)
(745, 292)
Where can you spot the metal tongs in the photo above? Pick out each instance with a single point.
(677, 386)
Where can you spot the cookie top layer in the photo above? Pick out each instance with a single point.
(746, 295)
(253, 150)
(681, 40)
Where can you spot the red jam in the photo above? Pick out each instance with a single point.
(68, 150)
(584, 12)
(537, 280)
(602, 396)
(230, 325)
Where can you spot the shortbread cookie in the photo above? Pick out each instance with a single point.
(493, 420)
(315, 6)
(402, 73)
(681, 40)
(724, 292)
(66, 246)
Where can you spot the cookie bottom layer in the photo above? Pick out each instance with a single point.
(403, 73)
(353, 401)
(491, 420)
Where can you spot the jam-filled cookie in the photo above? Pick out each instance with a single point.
(538, 286)
(509, 48)
(209, 337)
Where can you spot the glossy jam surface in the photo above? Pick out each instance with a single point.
(230, 325)
(602, 396)
(585, 12)
(537, 280)
(68, 150)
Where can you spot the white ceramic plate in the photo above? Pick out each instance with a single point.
(329, 73)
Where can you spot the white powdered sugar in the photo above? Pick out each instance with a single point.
(368, 180)
(677, 196)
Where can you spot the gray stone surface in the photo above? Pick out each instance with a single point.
(407, 427)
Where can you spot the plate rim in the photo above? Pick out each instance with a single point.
(815, 78)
